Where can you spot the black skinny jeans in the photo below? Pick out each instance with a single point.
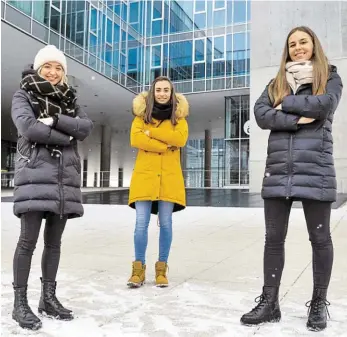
(317, 216)
(30, 230)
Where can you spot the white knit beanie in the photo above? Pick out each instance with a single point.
(50, 53)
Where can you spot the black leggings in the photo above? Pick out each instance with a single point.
(30, 230)
(317, 216)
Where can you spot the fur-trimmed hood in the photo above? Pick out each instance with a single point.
(139, 105)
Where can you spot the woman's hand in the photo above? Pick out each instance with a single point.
(305, 120)
(48, 121)
(172, 148)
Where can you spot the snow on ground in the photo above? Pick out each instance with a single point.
(215, 274)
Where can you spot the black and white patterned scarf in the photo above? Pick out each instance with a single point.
(48, 98)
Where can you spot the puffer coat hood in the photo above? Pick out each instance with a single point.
(139, 105)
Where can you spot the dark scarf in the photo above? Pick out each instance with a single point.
(162, 112)
(49, 99)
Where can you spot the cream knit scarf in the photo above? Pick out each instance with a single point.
(298, 73)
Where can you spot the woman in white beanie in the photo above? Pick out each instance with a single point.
(47, 176)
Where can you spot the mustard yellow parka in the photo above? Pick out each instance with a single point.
(157, 173)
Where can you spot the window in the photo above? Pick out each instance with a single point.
(199, 70)
(200, 6)
(249, 10)
(93, 20)
(108, 54)
(199, 50)
(156, 56)
(200, 20)
(156, 27)
(157, 9)
(219, 18)
(219, 4)
(124, 11)
(240, 11)
(55, 19)
(38, 11)
(239, 53)
(218, 47)
(92, 43)
(132, 59)
(56, 4)
(123, 63)
(181, 60)
(134, 12)
(109, 31)
(23, 6)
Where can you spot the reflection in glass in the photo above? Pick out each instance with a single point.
(24, 6)
(200, 20)
(112, 29)
(181, 59)
(55, 20)
(157, 9)
(219, 18)
(156, 56)
(218, 47)
(56, 4)
(232, 158)
(199, 50)
(199, 70)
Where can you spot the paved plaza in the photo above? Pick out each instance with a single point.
(215, 272)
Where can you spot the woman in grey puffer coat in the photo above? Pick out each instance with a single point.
(298, 107)
(47, 176)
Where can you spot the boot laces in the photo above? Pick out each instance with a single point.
(137, 271)
(23, 304)
(315, 305)
(262, 301)
(53, 297)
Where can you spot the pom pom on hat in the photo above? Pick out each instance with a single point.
(50, 53)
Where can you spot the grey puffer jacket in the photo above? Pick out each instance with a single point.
(47, 178)
(300, 162)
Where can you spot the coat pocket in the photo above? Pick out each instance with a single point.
(26, 152)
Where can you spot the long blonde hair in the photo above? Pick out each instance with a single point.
(150, 99)
(279, 87)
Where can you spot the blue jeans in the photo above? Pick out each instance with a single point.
(143, 216)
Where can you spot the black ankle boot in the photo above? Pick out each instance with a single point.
(22, 313)
(267, 310)
(49, 303)
(317, 310)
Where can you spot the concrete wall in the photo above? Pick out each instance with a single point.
(271, 22)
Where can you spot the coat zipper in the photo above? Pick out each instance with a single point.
(290, 165)
(60, 182)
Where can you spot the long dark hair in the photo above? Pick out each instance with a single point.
(279, 87)
(150, 99)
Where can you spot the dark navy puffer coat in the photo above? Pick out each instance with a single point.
(45, 179)
(300, 162)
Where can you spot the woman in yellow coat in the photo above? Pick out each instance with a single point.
(158, 131)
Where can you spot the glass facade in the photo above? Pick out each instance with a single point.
(202, 45)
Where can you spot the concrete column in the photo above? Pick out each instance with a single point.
(105, 156)
(208, 153)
